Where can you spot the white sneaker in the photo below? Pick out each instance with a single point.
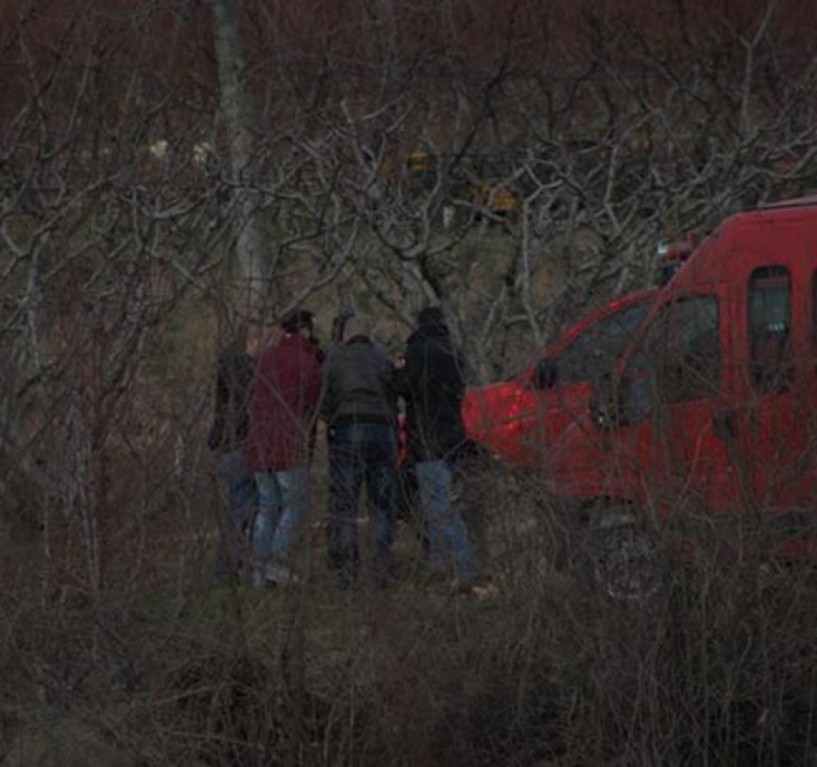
(279, 575)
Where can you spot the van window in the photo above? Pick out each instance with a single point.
(679, 359)
(771, 366)
(593, 354)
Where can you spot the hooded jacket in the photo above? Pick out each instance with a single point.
(432, 383)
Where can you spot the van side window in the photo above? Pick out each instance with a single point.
(595, 351)
(681, 356)
(771, 368)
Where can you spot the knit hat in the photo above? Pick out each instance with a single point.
(356, 326)
(298, 320)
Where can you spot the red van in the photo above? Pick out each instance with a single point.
(713, 404)
(520, 420)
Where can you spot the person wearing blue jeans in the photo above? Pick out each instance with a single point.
(239, 499)
(283, 411)
(448, 542)
(282, 505)
(359, 405)
(432, 383)
(228, 434)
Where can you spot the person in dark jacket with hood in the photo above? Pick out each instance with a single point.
(360, 409)
(234, 375)
(432, 383)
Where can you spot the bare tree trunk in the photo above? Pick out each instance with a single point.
(236, 120)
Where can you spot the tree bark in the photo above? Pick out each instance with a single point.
(236, 119)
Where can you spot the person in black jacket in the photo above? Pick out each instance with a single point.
(360, 409)
(432, 383)
(235, 371)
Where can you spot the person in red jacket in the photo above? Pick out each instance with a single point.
(285, 397)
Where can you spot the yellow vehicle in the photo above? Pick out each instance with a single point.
(495, 199)
(419, 161)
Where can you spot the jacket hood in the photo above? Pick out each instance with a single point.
(431, 316)
(429, 331)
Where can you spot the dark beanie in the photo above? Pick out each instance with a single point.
(298, 320)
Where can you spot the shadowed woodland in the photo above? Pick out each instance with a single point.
(167, 168)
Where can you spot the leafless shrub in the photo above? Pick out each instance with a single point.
(552, 164)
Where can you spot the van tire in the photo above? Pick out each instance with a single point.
(623, 561)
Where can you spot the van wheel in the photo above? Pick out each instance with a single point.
(624, 561)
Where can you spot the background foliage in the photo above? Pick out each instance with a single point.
(514, 162)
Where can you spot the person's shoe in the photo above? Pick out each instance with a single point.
(480, 587)
(279, 575)
(485, 591)
(271, 575)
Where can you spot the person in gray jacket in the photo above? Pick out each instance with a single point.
(360, 409)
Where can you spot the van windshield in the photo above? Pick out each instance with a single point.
(594, 353)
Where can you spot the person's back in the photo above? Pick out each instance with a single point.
(359, 384)
(360, 409)
(432, 384)
(285, 399)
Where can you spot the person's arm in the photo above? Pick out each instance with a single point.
(408, 374)
(314, 384)
(222, 401)
(459, 376)
(387, 374)
(261, 396)
(328, 397)
(338, 326)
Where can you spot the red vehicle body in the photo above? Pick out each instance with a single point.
(713, 403)
(520, 421)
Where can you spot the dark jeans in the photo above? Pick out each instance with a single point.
(239, 498)
(358, 452)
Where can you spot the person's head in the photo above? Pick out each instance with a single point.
(356, 326)
(254, 339)
(431, 317)
(300, 321)
(249, 336)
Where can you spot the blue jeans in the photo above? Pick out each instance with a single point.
(446, 531)
(358, 452)
(282, 506)
(239, 497)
